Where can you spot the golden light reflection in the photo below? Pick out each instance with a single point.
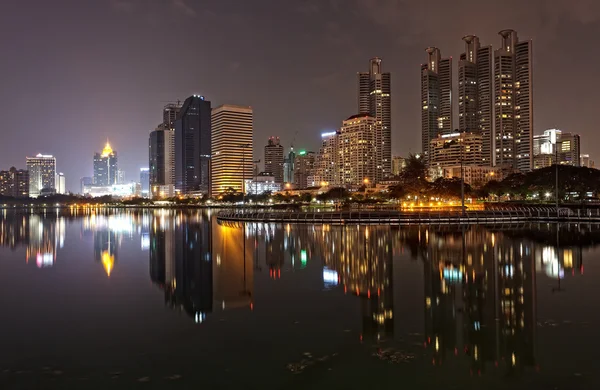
(108, 262)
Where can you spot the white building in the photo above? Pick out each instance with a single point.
(263, 182)
(42, 174)
(61, 184)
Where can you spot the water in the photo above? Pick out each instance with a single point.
(171, 299)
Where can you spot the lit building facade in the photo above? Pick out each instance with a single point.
(42, 174)
(450, 149)
(193, 147)
(327, 165)
(356, 151)
(374, 98)
(436, 99)
(555, 144)
(85, 182)
(474, 175)
(288, 166)
(170, 113)
(232, 161)
(304, 165)
(274, 159)
(106, 167)
(145, 182)
(513, 104)
(263, 182)
(14, 183)
(586, 161)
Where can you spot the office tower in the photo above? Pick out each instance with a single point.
(170, 113)
(513, 91)
(374, 98)
(398, 165)
(475, 94)
(303, 168)
(120, 177)
(145, 182)
(84, 183)
(288, 166)
(556, 147)
(327, 166)
(105, 167)
(192, 146)
(61, 184)
(232, 159)
(356, 152)
(162, 162)
(14, 183)
(436, 99)
(42, 174)
(274, 159)
(586, 161)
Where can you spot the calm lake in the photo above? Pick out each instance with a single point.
(171, 299)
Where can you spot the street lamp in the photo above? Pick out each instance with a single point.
(554, 141)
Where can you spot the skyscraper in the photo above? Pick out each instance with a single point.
(274, 159)
(145, 182)
(105, 167)
(327, 164)
(231, 142)
(42, 174)
(288, 166)
(303, 168)
(374, 98)
(162, 162)
(513, 79)
(436, 99)
(193, 146)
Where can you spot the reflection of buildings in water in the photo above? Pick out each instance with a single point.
(480, 297)
(362, 258)
(106, 244)
(41, 235)
(201, 265)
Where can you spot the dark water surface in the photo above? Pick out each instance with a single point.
(169, 299)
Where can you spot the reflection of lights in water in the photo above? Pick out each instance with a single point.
(44, 260)
(145, 241)
(108, 262)
(303, 258)
(551, 263)
(330, 277)
(452, 274)
(199, 317)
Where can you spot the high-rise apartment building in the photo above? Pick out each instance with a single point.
(450, 149)
(105, 167)
(193, 146)
(231, 141)
(303, 169)
(162, 162)
(61, 183)
(327, 166)
(513, 104)
(42, 174)
(436, 99)
(14, 183)
(357, 150)
(374, 98)
(475, 94)
(274, 159)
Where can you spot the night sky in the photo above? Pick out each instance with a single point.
(74, 73)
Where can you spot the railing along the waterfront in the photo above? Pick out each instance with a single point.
(412, 217)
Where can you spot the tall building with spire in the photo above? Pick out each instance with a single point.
(105, 167)
(193, 146)
(475, 94)
(513, 105)
(374, 98)
(436, 99)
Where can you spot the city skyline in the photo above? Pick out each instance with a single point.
(99, 87)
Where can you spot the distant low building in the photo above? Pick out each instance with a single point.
(553, 144)
(586, 161)
(264, 182)
(474, 175)
(116, 190)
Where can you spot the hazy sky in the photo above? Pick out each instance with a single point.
(76, 72)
